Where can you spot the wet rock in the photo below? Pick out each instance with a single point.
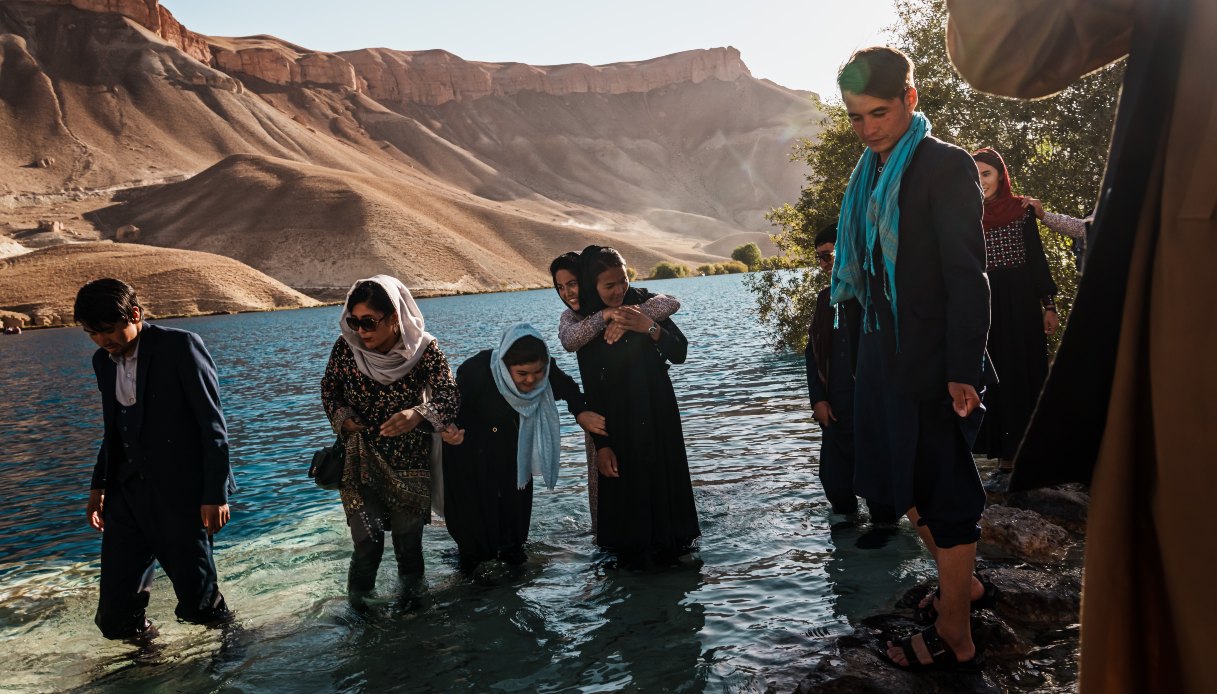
(1023, 534)
(1038, 598)
(1066, 506)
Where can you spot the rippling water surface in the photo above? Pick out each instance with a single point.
(773, 583)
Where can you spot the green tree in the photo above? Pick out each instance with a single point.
(668, 270)
(1055, 149)
(749, 254)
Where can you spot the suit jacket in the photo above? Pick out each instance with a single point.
(178, 439)
(818, 354)
(942, 291)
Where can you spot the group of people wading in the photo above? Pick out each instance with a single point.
(929, 245)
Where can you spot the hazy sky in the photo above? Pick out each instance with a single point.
(796, 44)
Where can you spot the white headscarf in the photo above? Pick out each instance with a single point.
(393, 365)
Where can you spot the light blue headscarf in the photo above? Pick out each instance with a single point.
(868, 217)
(540, 443)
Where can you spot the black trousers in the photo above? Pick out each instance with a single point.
(836, 467)
(407, 529)
(143, 527)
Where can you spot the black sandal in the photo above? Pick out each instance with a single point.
(928, 614)
(941, 655)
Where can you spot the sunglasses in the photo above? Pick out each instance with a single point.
(826, 257)
(367, 323)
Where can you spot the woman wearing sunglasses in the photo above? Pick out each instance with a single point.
(387, 388)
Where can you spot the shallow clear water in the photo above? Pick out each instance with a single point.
(773, 583)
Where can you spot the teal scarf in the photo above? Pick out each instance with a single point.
(540, 443)
(868, 217)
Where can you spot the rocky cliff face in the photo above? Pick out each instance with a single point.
(279, 62)
(433, 78)
(150, 15)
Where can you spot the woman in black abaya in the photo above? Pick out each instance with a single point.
(646, 507)
(1022, 309)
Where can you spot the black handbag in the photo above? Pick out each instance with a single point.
(326, 468)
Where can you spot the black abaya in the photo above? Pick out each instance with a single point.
(485, 512)
(649, 508)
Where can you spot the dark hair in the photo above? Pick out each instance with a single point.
(878, 71)
(526, 350)
(372, 294)
(990, 156)
(566, 261)
(593, 261)
(826, 235)
(103, 303)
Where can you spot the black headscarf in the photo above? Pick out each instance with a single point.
(593, 261)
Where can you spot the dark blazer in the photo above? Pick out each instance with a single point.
(178, 439)
(818, 354)
(942, 291)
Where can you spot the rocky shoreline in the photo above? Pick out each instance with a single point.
(1031, 548)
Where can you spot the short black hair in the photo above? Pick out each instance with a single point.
(526, 350)
(566, 261)
(104, 303)
(878, 71)
(372, 294)
(826, 235)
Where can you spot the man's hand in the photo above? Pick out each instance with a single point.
(963, 398)
(606, 462)
(592, 422)
(401, 423)
(822, 412)
(1051, 322)
(451, 435)
(97, 500)
(214, 517)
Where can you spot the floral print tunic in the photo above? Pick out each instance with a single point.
(396, 468)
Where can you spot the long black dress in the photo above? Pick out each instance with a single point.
(1019, 280)
(649, 508)
(486, 514)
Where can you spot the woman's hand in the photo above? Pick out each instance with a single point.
(630, 318)
(352, 425)
(592, 422)
(606, 462)
(1051, 321)
(451, 435)
(401, 423)
(1034, 204)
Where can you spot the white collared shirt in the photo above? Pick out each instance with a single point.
(124, 382)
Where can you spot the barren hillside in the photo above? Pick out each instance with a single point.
(41, 286)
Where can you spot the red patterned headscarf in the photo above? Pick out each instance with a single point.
(1005, 207)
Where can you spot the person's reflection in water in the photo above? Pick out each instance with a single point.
(650, 636)
(861, 577)
(469, 635)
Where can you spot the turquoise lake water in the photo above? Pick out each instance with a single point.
(774, 580)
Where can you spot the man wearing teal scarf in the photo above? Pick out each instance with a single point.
(910, 249)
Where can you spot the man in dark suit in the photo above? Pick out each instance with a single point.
(910, 248)
(832, 351)
(161, 483)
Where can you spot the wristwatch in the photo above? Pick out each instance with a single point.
(653, 330)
